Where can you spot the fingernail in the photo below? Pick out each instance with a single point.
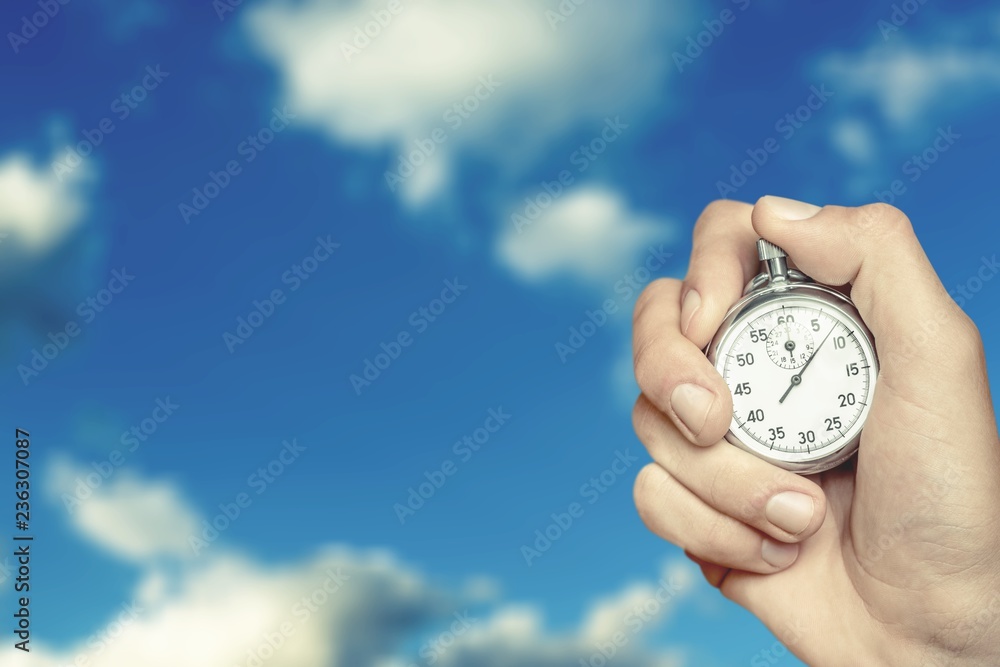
(692, 302)
(790, 511)
(779, 554)
(692, 404)
(790, 209)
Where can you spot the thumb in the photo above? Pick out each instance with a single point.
(923, 337)
(929, 461)
(932, 408)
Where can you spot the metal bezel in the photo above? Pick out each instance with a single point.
(758, 297)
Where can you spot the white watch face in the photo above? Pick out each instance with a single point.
(802, 372)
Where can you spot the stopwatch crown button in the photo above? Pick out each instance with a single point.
(768, 251)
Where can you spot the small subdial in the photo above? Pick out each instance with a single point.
(790, 345)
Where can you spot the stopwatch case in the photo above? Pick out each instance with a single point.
(762, 291)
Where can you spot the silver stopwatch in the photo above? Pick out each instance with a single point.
(801, 366)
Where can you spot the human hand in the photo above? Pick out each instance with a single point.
(891, 559)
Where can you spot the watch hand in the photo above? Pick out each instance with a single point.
(797, 378)
(817, 350)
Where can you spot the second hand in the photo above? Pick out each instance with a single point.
(797, 378)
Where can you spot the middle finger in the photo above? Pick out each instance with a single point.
(786, 506)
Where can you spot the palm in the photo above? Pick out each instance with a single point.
(892, 559)
(878, 552)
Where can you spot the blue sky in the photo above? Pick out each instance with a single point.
(595, 120)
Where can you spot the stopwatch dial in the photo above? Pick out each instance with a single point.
(814, 397)
(790, 345)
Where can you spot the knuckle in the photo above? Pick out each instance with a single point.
(968, 329)
(652, 369)
(881, 220)
(644, 492)
(714, 538)
(650, 341)
(720, 211)
(641, 362)
(968, 341)
(719, 479)
(654, 294)
(716, 208)
(721, 491)
(641, 419)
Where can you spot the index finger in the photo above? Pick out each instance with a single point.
(723, 260)
(672, 372)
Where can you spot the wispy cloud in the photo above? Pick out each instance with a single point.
(854, 138)
(589, 234)
(908, 81)
(373, 77)
(37, 208)
(131, 518)
(343, 607)
(894, 95)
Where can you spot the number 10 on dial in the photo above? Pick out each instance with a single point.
(801, 366)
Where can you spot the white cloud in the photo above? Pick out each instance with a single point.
(908, 82)
(854, 139)
(892, 97)
(604, 59)
(588, 233)
(342, 608)
(132, 519)
(612, 614)
(36, 208)
(339, 609)
(515, 635)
